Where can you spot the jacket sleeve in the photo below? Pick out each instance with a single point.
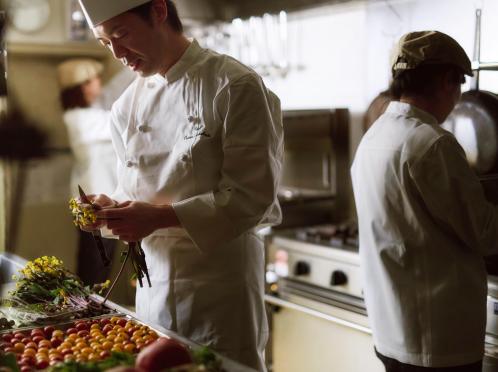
(454, 197)
(252, 143)
(87, 126)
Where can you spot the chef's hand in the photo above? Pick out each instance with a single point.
(132, 221)
(100, 201)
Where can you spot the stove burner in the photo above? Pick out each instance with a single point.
(338, 236)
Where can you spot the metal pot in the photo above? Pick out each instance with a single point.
(474, 122)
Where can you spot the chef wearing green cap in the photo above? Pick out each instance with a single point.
(424, 222)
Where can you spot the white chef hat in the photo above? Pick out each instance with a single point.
(99, 11)
(76, 71)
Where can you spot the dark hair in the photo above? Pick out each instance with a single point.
(173, 19)
(422, 80)
(73, 98)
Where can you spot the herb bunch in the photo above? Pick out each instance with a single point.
(46, 289)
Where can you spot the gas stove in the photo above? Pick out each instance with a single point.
(336, 236)
(322, 257)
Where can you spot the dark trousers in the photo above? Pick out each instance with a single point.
(392, 365)
(90, 268)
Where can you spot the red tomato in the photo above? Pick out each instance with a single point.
(82, 326)
(104, 321)
(122, 322)
(7, 337)
(55, 341)
(48, 330)
(27, 361)
(26, 340)
(163, 353)
(71, 331)
(37, 339)
(42, 364)
(37, 331)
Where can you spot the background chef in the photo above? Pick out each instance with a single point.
(199, 145)
(94, 166)
(424, 223)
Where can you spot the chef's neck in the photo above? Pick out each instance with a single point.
(177, 45)
(431, 105)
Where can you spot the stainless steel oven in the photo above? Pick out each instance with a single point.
(319, 320)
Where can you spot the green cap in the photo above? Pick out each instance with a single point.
(429, 47)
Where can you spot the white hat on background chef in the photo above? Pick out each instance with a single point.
(76, 71)
(99, 11)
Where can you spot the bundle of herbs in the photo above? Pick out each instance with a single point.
(46, 291)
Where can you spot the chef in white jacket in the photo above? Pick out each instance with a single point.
(94, 167)
(199, 144)
(424, 223)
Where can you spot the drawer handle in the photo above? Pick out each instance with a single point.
(290, 305)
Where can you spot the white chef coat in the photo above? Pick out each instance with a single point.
(95, 159)
(424, 226)
(206, 137)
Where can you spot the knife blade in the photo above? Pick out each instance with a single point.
(97, 238)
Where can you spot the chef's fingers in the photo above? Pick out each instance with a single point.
(102, 200)
(110, 213)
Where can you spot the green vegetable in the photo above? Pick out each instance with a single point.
(9, 360)
(207, 358)
(116, 359)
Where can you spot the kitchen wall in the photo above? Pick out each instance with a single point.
(344, 49)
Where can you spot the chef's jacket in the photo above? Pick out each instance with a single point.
(424, 226)
(207, 138)
(94, 156)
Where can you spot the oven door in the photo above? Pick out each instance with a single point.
(315, 336)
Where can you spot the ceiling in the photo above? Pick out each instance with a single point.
(213, 10)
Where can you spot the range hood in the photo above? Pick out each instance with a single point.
(225, 10)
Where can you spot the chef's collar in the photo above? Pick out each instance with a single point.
(406, 109)
(184, 63)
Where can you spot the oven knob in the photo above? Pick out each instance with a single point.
(302, 268)
(338, 278)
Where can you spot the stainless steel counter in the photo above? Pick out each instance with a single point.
(10, 264)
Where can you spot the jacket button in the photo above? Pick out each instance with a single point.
(142, 128)
(184, 157)
(191, 119)
(129, 163)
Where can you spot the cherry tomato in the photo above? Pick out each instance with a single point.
(19, 347)
(37, 339)
(55, 341)
(42, 364)
(58, 333)
(122, 322)
(71, 331)
(48, 331)
(7, 337)
(82, 326)
(104, 321)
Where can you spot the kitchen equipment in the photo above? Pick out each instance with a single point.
(319, 320)
(318, 316)
(474, 120)
(315, 186)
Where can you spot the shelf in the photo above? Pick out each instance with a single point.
(72, 49)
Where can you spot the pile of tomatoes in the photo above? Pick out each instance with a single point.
(83, 341)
